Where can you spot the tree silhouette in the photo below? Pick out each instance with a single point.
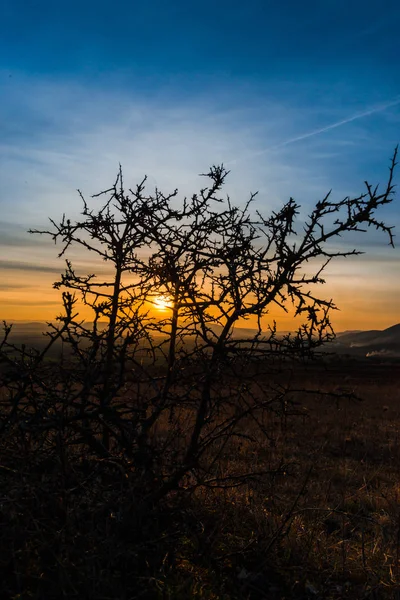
(167, 396)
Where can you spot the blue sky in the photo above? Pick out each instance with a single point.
(296, 98)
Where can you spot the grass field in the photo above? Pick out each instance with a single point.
(324, 524)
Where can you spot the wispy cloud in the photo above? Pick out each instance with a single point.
(14, 265)
(15, 235)
(33, 303)
(355, 117)
(73, 143)
(72, 138)
(7, 286)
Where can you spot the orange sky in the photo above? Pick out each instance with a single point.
(366, 291)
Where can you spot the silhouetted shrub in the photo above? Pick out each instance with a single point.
(163, 401)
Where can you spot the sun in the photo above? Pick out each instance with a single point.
(162, 302)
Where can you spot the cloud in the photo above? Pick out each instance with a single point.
(14, 286)
(64, 136)
(15, 235)
(38, 303)
(26, 266)
(360, 115)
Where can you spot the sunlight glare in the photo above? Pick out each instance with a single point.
(162, 302)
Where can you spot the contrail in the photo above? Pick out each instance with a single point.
(298, 138)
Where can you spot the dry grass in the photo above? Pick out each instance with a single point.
(327, 526)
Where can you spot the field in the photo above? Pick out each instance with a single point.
(324, 523)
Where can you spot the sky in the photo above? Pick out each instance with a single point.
(295, 98)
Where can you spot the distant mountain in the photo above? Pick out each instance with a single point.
(32, 333)
(341, 333)
(359, 338)
(375, 342)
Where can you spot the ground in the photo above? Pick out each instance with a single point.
(326, 525)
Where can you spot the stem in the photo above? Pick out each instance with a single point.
(109, 366)
(172, 346)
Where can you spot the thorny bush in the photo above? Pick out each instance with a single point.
(165, 398)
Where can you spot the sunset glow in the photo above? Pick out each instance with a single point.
(284, 119)
(162, 303)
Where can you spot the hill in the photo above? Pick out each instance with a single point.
(374, 342)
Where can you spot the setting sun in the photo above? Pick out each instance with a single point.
(162, 302)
